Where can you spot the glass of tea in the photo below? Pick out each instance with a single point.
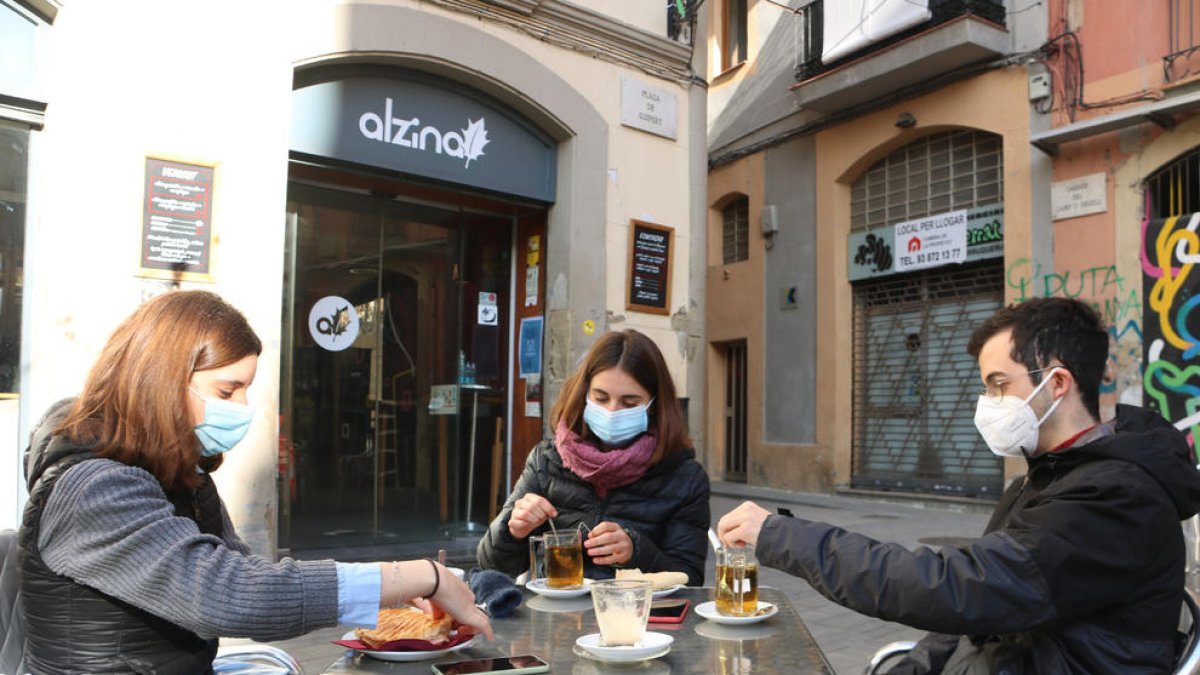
(622, 610)
(737, 581)
(562, 555)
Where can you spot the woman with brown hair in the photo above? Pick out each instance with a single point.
(129, 560)
(620, 465)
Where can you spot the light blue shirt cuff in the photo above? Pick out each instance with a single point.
(359, 589)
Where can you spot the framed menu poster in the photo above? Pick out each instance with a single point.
(177, 212)
(651, 248)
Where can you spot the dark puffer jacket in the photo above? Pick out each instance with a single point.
(665, 511)
(1080, 571)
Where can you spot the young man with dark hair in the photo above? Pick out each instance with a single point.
(1081, 568)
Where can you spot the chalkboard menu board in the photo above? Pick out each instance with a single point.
(650, 249)
(177, 219)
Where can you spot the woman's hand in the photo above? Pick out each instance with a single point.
(609, 544)
(530, 511)
(456, 599)
(413, 581)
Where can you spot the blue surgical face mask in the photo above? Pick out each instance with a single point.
(225, 424)
(617, 427)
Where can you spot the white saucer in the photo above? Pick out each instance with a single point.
(539, 586)
(708, 610)
(543, 604)
(587, 664)
(664, 592)
(652, 646)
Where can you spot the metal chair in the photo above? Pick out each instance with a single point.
(888, 655)
(1187, 662)
(255, 659)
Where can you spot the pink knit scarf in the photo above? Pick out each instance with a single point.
(604, 470)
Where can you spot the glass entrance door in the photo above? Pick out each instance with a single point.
(389, 439)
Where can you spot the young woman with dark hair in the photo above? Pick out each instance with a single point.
(620, 465)
(129, 561)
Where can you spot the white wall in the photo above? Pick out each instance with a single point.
(137, 77)
(649, 15)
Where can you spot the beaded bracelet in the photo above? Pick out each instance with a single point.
(396, 584)
(437, 579)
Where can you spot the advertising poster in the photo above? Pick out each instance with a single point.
(443, 399)
(533, 396)
(932, 241)
(530, 357)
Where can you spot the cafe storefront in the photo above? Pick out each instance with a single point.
(423, 209)
(413, 281)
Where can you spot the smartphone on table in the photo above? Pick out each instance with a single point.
(509, 665)
(669, 611)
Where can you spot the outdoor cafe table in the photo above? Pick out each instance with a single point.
(548, 628)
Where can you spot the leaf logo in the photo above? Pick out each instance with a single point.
(474, 138)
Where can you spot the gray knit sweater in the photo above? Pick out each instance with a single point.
(109, 526)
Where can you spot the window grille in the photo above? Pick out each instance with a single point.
(1175, 189)
(939, 173)
(1183, 32)
(735, 231)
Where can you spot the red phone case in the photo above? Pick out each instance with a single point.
(687, 606)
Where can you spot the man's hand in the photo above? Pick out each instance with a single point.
(609, 544)
(742, 525)
(530, 511)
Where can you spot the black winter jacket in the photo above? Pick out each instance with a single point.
(665, 512)
(1081, 569)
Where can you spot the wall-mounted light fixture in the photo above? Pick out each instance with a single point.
(769, 220)
(905, 120)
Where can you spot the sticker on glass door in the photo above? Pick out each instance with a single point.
(333, 323)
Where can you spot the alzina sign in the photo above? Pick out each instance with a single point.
(408, 133)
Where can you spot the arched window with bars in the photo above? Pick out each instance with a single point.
(914, 385)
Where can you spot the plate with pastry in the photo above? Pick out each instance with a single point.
(662, 583)
(407, 634)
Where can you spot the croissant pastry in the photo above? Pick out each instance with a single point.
(405, 623)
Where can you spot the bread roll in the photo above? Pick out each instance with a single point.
(405, 623)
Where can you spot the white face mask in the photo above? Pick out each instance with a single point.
(1009, 426)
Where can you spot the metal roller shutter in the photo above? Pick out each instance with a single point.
(915, 386)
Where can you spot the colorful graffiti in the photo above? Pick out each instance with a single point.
(1102, 286)
(1170, 249)
(1120, 303)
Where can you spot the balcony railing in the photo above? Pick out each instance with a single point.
(812, 30)
(1183, 30)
